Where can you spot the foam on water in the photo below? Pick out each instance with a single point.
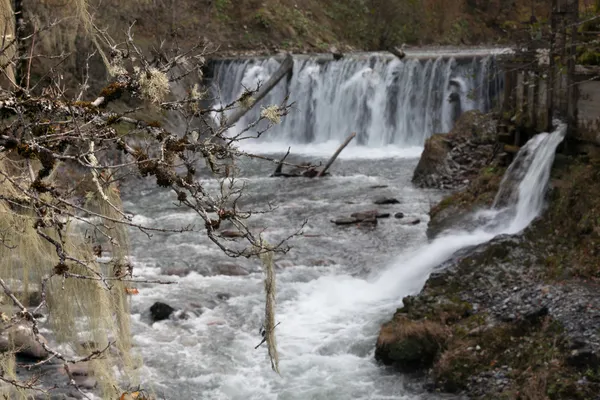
(328, 319)
(326, 149)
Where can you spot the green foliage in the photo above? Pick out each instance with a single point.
(223, 7)
(263, 19)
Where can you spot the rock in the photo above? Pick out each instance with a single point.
(282, 264)
(362, 215)
(177, 271)
(410, 345)
(345, 221)
(232, 234)
(322, 262)
(21, 338)
(231, 270)
(534, 317)
(583, 359)
(223, 296)
(86, 382)
(60, 394)
(369, 215)
(80, 369)
(386, 200)
(378, 187)
(160, 311)
(448, 160)
(415, 222)
(399, 215)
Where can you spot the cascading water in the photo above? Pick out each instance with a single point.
(385, 100)
(329, 315)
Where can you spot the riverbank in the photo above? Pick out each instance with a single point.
(517, 317)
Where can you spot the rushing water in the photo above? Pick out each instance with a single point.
(385, 100)
(337, 284)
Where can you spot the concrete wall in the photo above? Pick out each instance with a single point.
(588, 106)
(527, 100)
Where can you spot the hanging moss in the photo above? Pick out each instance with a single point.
(79, 311)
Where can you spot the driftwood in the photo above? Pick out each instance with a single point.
(285, 67)
(307, 170)
(336, 154)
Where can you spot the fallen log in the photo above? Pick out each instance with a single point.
(308, 170)
(336, 154)
(285, 67)
(278, 170)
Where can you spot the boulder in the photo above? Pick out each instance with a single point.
(231, 270)
(449, 159)
(21, 338)
(583, 359)
(160, 311)
(410, 345)
(399, 215)
(345, 221)
(386, 201)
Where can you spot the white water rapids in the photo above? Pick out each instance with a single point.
(337, 285)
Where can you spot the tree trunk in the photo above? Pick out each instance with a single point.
(286, 66)
(336, 154)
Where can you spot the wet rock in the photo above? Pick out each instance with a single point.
(415, 222)
(535, 317)
(322, 262)
(223, 296)
(232, 234)
(177, 271)
(369, 215)
(378, 187)
(282, 264)
(583, 359)
(60, 394)
(231, 270)
(86, 382)
(399, 215)
(183, 315)
(21, 338)
(410, 345)
(345, 221)
(386, 201)
(160, 311)
(448, 160)
(362, 215)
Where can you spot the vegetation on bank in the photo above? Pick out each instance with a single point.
(495, 322)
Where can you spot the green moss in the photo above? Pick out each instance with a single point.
(480, 192)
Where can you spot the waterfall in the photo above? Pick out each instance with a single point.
(385, 100)
(524, 186)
